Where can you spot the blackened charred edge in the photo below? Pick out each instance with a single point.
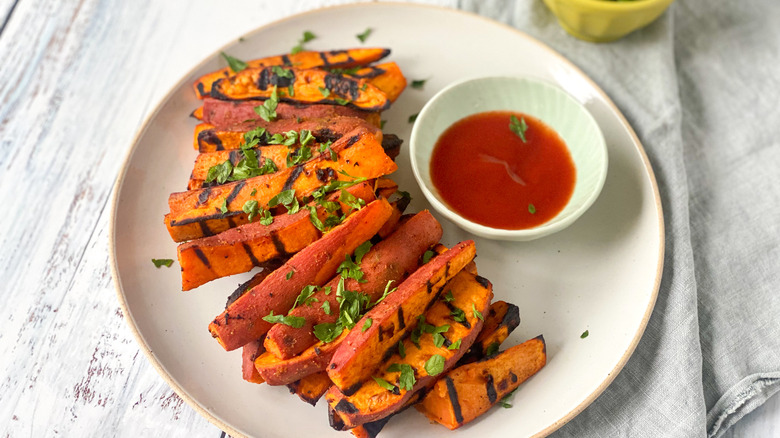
(326, 175)
(447, 270)
(391, 350)
(325, 60)
(293, 387)
(352, 389)
(201, 256)
(512, 317)
(325, 135)
(235, 191)
(544, 344)
(373, 428)
(429, 286)
(205, 230)
(192, 114)
(338, 52)
(342, 86)
(250, 254)
(401, 323)
(191, 220)
(352, 140)
(452, 308)
(264, 79)
(346, 407)
(278, 244)
(216, 93)
(202, 89)
(235, 156)
(335, 420)
(484, 282)
(286, 60)
(203, 197)
(391, 145)
(453, 393)
(447, 342)
(209, 137)
(231, 222)
(513, 376)
(491, 389)
(372, 73)
(317, 351)
(294, 174)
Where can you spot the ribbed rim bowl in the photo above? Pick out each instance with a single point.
(569, 118)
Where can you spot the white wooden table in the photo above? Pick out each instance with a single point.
(78, 78)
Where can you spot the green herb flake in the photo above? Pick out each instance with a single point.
(492, 349)
(351, 200)
(253, 193)
(326, 307)
(289, 274)
(235, 64)
(506, 401)
(220, 172)
(306, 297)
(250, 208)
(584, 334)
(518, 127)
(406, 380)
(476, 313)
(427, 256)
(384, 383)
(413, 118)
(367, 324)
(267, 111)
(324, 91)
(363, 36)
(455, 345)
(292, 321)
(458, 315)
(223, 208)
(341, 101)
(327, 331)
(282, 72)
(307, 36)
(265, 217)
(162, 262)
(298, 156)
(418, 84)
(387, 292)
(531, 209)
(435, 365)
(448, 298)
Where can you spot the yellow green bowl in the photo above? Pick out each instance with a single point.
(604, 20)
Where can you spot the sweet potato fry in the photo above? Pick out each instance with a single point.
(308, 59)
(500, 322)
(362, 352)
(305, 86)
(470, 390)
(208, 211)
(243, 321)
(226, 113)
(310, 388)
(422, 358)
(209, 139)
(242, 248)
(314, 359)
(386, 76)
(389, 260)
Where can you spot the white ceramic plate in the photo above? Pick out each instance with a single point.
(601, 274)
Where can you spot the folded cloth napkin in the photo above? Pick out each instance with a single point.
(701, 87)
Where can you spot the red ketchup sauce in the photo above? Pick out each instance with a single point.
(487, 174)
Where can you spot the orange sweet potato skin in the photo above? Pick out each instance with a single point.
(225, 113)
(306, 59)
(389, 260)
(242, 322)
(362, 351)
(242, 248)
(470, 390)
(372, 402)
(248, 356)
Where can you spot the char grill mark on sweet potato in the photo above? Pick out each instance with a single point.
(362, 352)
(242, 322)
(186, 214)
(302, 60)
(250, 245)
(500, 321)
(210, 139)
(391, 80)
(373, 402)
(469, 391)
(389, 260)
(308, 86)
(205, 161)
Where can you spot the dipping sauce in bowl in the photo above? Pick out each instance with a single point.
(503, 172)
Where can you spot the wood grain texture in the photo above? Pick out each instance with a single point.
(79, 77)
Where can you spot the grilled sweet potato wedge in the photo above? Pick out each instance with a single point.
(302, 60)
(209, 139)
(242, 248)
(276, 153)
(305, 86)
(314, 359)
(389, 260)
(470, 390)
(500, 321)
(362, 352)
(312, 387)
(248, 355)
(243, 321)
(386, 76)
(208, 211)
(373, 400)
(227, 113)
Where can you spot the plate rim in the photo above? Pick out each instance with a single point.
(120, 179)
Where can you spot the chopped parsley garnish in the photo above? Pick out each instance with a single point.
(265, 217)
(305, 137)
(327, 331)
(458, 315)
(427, 255)
(492, 349)
(253, 193)
(455, 345)
(298, 156)
(448, 298)
(324, 91)
(476, 313)
(235, 64)
(367, 324)
(250, 208)
(306, 297)
(413, 117)
(267, 111)
(518, 127)
(419, 83)
(531, 209)
(289, 274)
(435, 365)
(384, 383)
(340, 101)
(162, 262)
(220, 172)
(351, 269)
(223, 208)
(307, 36)
(584, 334)
(387, 292)
(282, 72)
(351, 200)
(292, 321)
(406, 380)
(326, 307)
(325, 147)
(438, 338)
(506, 401)
(287, 199)
(363, 36)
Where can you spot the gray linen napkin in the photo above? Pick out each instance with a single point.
(701, 86)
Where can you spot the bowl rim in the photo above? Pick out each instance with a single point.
(634, 5)
(556, 223)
